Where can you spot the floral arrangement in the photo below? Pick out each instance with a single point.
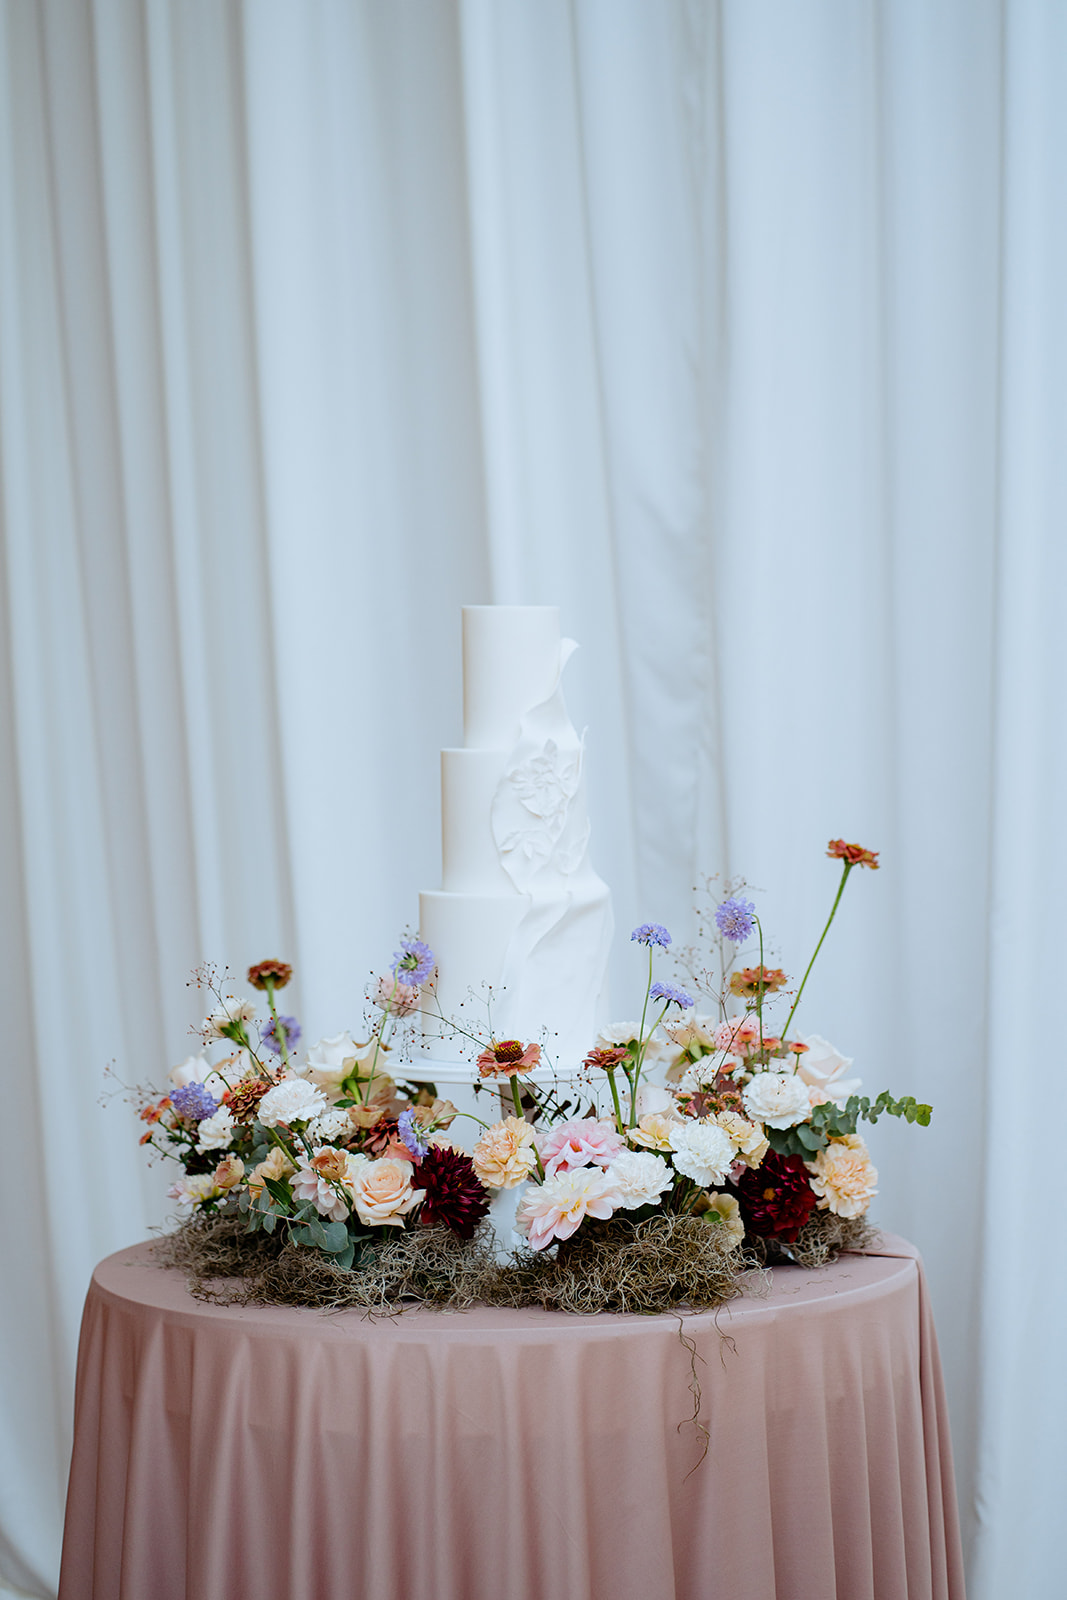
(706, 1130)
(751, 1127)
(324, 1149)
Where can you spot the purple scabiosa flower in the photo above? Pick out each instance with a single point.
(413, 962)
(736, 919)
(652, 933)
(673, 996)
(290, 1034)
(193, 1102)
(408, 1129)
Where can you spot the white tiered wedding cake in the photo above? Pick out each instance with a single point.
(520, 909)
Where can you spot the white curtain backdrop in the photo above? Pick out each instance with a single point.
(736, 329)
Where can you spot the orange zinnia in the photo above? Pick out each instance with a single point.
(854, 854)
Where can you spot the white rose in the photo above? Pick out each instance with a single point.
(617, 1033)
(229, 1011)
(291, 1100)
(697, 1029)
(779, 1099)
(702, 1152)
(640, 1178)
(325, 1062)
(215, 1132)
(652, 1099)
(822, 1067)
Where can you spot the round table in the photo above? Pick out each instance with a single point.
(272, 1454)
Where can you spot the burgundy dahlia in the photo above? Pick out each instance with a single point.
(455, 1197)
(776, 1198)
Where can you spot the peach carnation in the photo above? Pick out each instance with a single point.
(844, 1177)
(505, 1154)
(581, 1142)
(556, 1208)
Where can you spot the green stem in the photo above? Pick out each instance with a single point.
(760, 986)
(818, 947)
(615, 1101)
(279, 1031)
(517, 1097)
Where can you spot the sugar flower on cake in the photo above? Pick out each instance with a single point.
(276, 1165)
(508, 1058)
(326, 1180)
(556, 1208)
(216, 1132)
(327, 1062)
(192, 1191)
(384, 1191)
(641, 1177)
(702, 1151)
(778, 1099)
(843, 1177)
(506, 1154)
(727, 1208)
(748, 1138)
(824, 1068)
(291, 1100)
(581, 1142)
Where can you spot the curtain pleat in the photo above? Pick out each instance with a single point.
(735, 329)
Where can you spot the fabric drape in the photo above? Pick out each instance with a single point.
(736, 330)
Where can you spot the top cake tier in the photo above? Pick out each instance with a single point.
(511, 661)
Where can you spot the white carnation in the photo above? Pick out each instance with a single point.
(778, 1099)
(292, 1100)
(702, 1151)
(215, 1132)
(329, 1125)
(640, 1177)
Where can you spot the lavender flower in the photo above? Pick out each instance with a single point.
(193, 1102)
(290, 1033)
(736, 919)
(673, 996)
(408, 1129)
(413, 962)
(652, 933)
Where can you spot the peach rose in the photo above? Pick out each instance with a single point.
(505, 1154)
(277, 1165)
(229, 1172)
(383, 1191)
(748, 1138)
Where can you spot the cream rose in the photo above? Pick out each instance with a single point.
(383, 1191)
(505, 1154)
(779, 1099)
(844, 1177)
(327, 1062)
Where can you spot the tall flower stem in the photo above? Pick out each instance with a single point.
(279, 1031)
(517, 1097)
(615, 1101)
(818, 947)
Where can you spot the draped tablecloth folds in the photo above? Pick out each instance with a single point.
(513, 1455)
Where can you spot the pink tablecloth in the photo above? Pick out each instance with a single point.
(512, 1455)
